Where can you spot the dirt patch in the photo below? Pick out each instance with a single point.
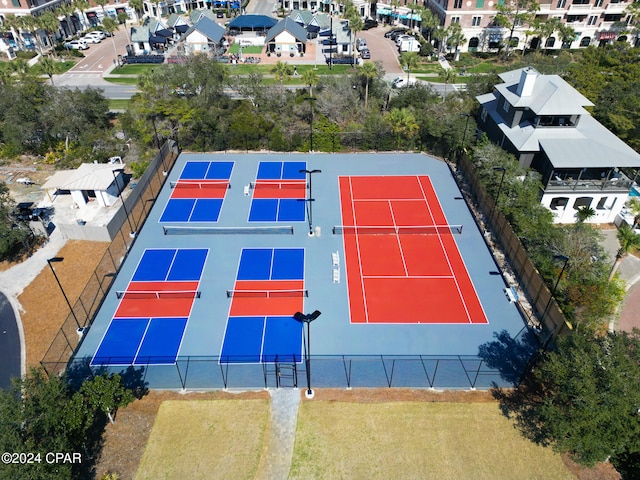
(45, 308)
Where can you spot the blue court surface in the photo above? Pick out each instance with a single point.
(209, 347)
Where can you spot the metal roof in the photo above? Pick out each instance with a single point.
(287, 25)
(208, 28)
(88, 176)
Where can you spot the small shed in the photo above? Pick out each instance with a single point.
(90, 182)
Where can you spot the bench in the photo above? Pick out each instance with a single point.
(511, 294)
(336, 275)
(335, 259)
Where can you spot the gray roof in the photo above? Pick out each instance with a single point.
(288, 25)
(88, 176)
(196, 15)
(154, 25)
(301, 16)
(208, 28)
(588, 145)
(140, 34)
(551, 95)
(174, 20)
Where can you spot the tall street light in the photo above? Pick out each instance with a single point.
(493, 207)
(311, 100)
(310, 199)
(56, 260)
(132, 231)
(308, 318)
(565, 259)
(466, 125)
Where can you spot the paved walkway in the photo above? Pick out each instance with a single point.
(276, 461)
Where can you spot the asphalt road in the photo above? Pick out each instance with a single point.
(9, 343)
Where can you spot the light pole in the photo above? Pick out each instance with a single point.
(466, 124)
(308, 318)
(311, 100)
(565, 259)
(56, 260)
(310, 198)
(503, 170)
(132, 231)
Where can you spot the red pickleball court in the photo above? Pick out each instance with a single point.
(402, 261)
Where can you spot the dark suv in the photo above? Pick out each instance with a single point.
(370, 23)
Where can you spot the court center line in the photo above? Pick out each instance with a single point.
(444, 249)
(410, 276)
(273, 254)
(171, 264)
(353, 214)
(146, 329)
(264, 331)
(397, 235)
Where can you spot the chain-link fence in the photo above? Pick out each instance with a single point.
(137, 206)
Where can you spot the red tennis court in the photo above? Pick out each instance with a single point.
(199, 188)
(403, 263)
(280, 189)
(157, 299)
(266, 297)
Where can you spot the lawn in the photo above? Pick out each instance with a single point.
(118, 104)
(136, 68)
(246, 50)
(416, 440)
(206, 439)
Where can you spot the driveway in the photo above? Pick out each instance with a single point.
(382, 50)
(9, 343)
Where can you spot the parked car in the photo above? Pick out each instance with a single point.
(90, 39)
(361, 43)
(369, 23)
(410, 45)
(402, 38)
(76, 45)
(365, 54)
(102, 34)
(220, 14)
(394, 31)
(402, 82)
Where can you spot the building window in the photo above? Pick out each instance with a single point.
(475, 21)
(558, 203)
(598, 3)
(562, 3)
(457, 3)
(551, 41)
(602, 204)
(585, 42)
(582, 202)
(580, 2)
(479, 3)
(505, 105)
(593, 19)
(483, 114)
(455, 19)
(474, 42)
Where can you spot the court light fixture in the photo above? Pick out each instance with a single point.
(564, 259)
(58, 260)
(310, 198)
(495, 203)
(307, 318)
(132, 231)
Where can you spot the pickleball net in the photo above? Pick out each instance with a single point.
(278, 185)
(397, 230)
(267, 293)
(202, 184)
(195, 230)
(157, 294)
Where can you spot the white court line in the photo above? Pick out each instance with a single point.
(446, 255)
(395, 226)
(353, 213)
(440, 277)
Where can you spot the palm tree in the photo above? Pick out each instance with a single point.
(282, 71)
(409, 61)
(49, 66)
(428, 22)
(403, 123)
(65, 10)
(82, 6)
(110, 25)
(628, 240)
(48, 22)
(137, 7)
(369, 71)
(454, 38)
(6, 73)
(102, 3)
(31, 25)
(585, 213)
(634, 205)
(11, 24)
(447, 76)
(310, 78)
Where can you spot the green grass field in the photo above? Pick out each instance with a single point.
(413, 440)
(247, 50)
(347, 440)
(118, 104)
(205, 439)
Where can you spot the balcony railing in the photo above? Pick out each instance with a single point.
(612, 185)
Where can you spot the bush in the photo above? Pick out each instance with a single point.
(26, 55)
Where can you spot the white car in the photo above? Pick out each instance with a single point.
(402, 82)
(403, 38)
(76, 45)
(91, 39)
(99, 33)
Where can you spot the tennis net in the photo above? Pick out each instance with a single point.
(183, 230)
(223, 185)
(157, 294)
(278, 185)
(397, 230)
(266, 293)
